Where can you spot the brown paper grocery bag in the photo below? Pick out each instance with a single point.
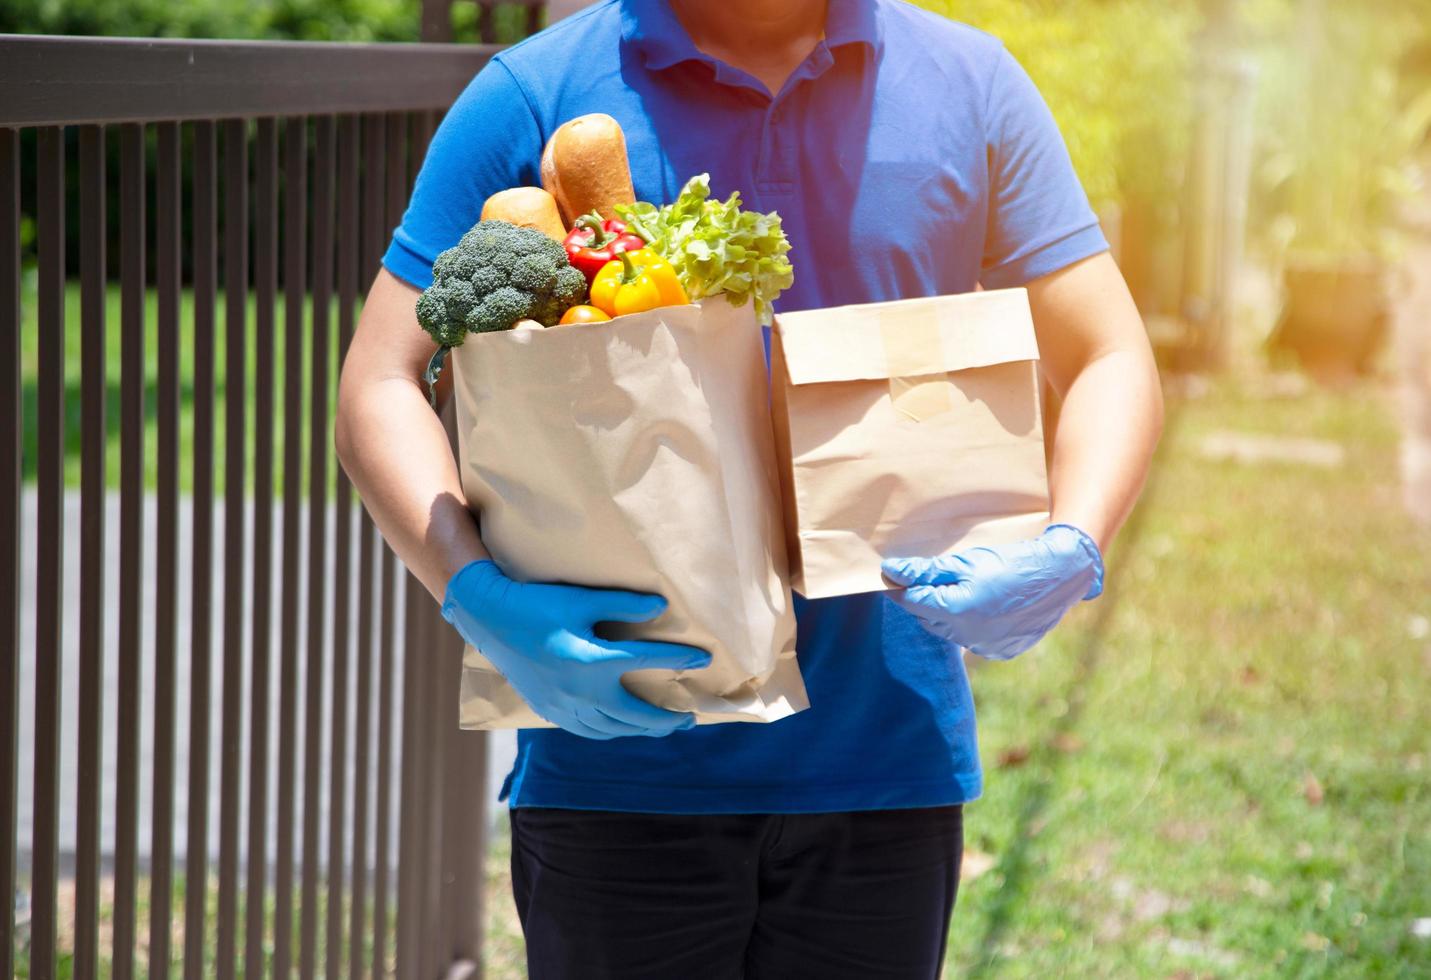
(636, 454)
(909, 428)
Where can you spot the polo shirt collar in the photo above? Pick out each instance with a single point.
(653, 29)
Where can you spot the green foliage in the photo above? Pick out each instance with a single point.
(1340, 128)
(496, 275)
(1115, 73)
(297, 20)
(307, 20)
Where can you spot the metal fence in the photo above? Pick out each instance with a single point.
(273, 173)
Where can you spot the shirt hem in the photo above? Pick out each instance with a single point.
(646, 798)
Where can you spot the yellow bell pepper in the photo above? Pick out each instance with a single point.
(636, 281)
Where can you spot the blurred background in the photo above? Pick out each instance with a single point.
(1220, 769)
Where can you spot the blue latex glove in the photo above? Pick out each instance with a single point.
(543, 640)
(998, 602)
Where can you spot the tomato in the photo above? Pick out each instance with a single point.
(583, 314)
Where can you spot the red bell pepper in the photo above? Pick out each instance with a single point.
(595, 241)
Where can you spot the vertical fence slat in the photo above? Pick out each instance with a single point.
(424, 124)
(465, 831)
(10, 466)
(235, 519)
(265, 273)
(295, 198)
(347, 258)
(375, 153)
(399, 143)
(318, 450)
(375, 129)
(205, 232)
(49, 538)
(378, 132)
(168, 272)
(435, 955)
(414, 817)
(131, 540)
(92, 504)
(362, 754)
(486, 22)
(436, 944)
(411, 813)
(383, 808)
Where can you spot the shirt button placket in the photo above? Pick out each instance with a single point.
(778, 175)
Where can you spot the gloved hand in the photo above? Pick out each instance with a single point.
(998, 602)
(543, 640)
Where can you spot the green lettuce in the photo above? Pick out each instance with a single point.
(715, 247)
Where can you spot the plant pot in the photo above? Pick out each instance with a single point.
(1336, 315)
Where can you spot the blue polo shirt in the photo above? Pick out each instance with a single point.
(908, 156)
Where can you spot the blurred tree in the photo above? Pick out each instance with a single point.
(294, 20)
(342, 20)
(309, 20)
(1334, 178)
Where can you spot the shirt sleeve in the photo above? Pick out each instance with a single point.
(488, 141)
(1040, 220)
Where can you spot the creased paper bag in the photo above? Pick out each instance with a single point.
(904, 429)
(636, 454)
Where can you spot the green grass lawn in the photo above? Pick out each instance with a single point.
(75, 340)
(1149, 804)
(1229, 761)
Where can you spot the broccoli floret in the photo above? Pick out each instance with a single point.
(496, 275)
(502, 305)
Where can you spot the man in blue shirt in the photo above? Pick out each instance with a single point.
(908, 156)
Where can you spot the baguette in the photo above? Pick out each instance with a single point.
(526, 207)
(584, 166)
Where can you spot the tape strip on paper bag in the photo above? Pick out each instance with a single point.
(913, 351)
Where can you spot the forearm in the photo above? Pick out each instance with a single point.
(1107, 430)
(396, 452)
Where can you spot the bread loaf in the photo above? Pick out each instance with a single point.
(585, 168)
(527, 207)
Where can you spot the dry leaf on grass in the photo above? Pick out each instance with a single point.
(1312, 790)
(1014, 755)
(1066, 742)
(975, 863)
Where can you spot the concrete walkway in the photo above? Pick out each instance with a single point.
(502, 743)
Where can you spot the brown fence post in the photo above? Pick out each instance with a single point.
(169, 272)
(92, 505)
(131, 540)
(10, 476)
(49, 618)
(437, 20)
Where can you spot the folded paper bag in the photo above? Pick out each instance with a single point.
(909, 428)
(636, 454)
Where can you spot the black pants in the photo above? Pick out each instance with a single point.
(632, 896)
